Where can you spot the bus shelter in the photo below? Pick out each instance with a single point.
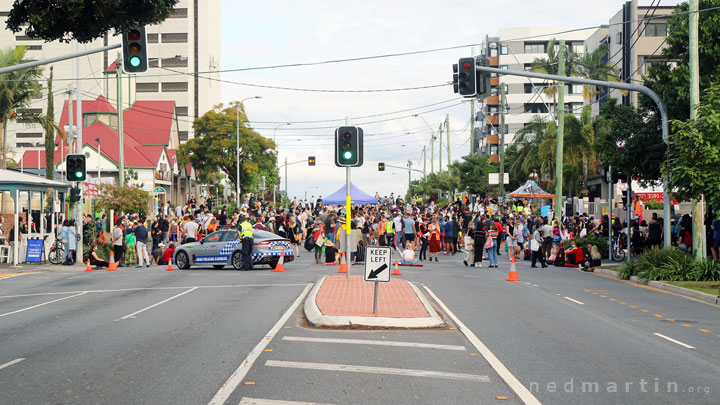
(24, 195)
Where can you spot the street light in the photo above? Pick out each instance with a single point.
(432, 143)
(276, 153)
(237, 147)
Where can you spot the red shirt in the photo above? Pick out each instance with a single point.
(167, 255)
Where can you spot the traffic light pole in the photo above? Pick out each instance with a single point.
(615, 85)
(121, 127)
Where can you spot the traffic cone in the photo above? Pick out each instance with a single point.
(170, 266)
(396, 270)
(88, 268)
(512, 276)
(343, 266)
(112, 266)
(279, 267)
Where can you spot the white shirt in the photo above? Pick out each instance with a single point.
(178, 211)
(191, 228)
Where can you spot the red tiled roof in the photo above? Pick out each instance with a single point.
(150, 122)
(112, 67)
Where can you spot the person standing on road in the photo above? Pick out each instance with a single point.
(72, 242)
(434, 230)
(141, 235)
(190, 230)
(245, 234)
(117, 239)
(536, 243)
(480, 235)
(409, 232)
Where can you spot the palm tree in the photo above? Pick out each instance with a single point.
(17, 90)
(550, 66)
(593, 66)
(51, 127)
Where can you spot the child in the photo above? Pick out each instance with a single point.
(130, 255)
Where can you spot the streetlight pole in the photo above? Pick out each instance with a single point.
(237, 147)
(99, 157)
(276, 153)
(432, 143)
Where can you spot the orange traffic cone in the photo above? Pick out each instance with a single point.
(112, 266)
(279, 267)
(170, 266)
(88, 268)
(343, 266)
(512, 276)
(396, 270)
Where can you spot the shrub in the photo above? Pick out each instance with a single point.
(653, 205)
(671, 265)
(628, 269)
(705, 270)
(600, 242)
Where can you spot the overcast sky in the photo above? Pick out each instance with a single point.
(263, 33)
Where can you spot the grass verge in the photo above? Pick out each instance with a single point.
(708, 287)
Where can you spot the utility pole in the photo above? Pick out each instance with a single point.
(440, 148)
(121, 129)
(409, 179)
(432, 151)
(694, 65)
(501, 146)
(424, 161)
(560, 110)
(79, 149)
(286, 180)
(447, 131)
(237, 155)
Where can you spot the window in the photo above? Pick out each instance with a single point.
(536, 108)
(24, 38)
(492, 109)
(504, 50)
(34, 47)
(175, 38)
(535, 47)
(146, 87)
(535, 88)
(4, 13)
(573, 108)
(183, 135)
(174, 87)
(493, 52)
(656, 30)
(578, 49)
(26, 116)
(152, 38)
(619, 38)
(175, 62)
(181, 111)
(494, 149)
(527, 67)
(29, 135)
(504, 67)
(24, 145)
(179, 13)
(494, 91)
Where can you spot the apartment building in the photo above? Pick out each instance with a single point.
(636, 37)
(516, 49)
(187, 42)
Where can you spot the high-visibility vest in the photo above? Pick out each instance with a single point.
(246, 230)
(389, 227)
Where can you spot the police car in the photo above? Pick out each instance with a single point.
(222, 248)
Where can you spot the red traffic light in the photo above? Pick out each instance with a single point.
(467, 66)
(134, 35)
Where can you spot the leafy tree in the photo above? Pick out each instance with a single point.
(16, 91)
(125, 198)
(213, 148)
(593, 65)
(472, 172)
(84, 20)
(694, 153)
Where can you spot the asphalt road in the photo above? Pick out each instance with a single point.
(192, 337)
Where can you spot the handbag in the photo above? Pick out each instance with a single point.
(320, 241)
(534, 245)
(488, 243)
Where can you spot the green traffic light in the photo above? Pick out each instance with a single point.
(347, 155)
(135, 61)
(78, 174)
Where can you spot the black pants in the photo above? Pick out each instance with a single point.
(479, 247)
(538, 254)
(423, 248)
(246, 251)
(118, 251)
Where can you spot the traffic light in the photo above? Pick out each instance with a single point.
(134, 45)
(311, 160)
(75, 168)
(381, 167)
(657, 152)
(482, 79)
(75, 194)
(349, 147)
(467, 85)
(456, 87)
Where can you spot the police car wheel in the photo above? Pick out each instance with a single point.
(237, 260)
(182, 260)
(273, 263)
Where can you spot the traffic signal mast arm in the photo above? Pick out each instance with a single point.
(404, 168)
(613, 85)
(293, 163)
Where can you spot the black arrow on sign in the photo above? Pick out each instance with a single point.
(374, 273)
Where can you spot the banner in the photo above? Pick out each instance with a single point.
(34, 251)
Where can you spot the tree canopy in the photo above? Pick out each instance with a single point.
(84, 20)
(125, 198)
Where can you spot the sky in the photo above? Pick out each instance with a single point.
(267, 33)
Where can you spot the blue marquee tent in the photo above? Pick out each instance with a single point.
(358, 197)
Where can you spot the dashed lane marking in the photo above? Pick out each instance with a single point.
(657, 315)
(574, 300)
(377, 370)
(645, 310)
(258, 401)
(374, 342)
(10, 363)
(705, 330)
(674, 341)
(157, 304)
(630, 283)
(44, 303)
(622, 302)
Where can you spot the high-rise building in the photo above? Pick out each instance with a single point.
(186, 42)
(516, 49)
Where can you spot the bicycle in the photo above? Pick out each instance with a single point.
(618, 252)
(57, 252)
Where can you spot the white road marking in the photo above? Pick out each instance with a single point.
(153, 288)
(374, 342)
(237, 376)
(535, 285)
(44, 303)
(10, 363)
(575, 301)
(557, 294)
(522, 392)
(674, 341)
(258, 401)
(156, 304)
(377, 370)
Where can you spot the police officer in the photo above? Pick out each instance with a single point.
(245, 234)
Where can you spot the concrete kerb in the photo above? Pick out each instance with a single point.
(686, 292)
(317, 318)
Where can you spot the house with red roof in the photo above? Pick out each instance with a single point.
(150, 142)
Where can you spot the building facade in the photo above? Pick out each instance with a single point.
(185, 43)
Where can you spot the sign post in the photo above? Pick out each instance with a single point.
(377, 268)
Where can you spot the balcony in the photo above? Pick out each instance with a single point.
(494, 158)
(493, 119)
(493, 139)
(493, 100)
(162, 175)
(494, 61)
(495, 81)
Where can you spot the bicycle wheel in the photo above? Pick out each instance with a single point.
(55, 256)
(618, 255)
